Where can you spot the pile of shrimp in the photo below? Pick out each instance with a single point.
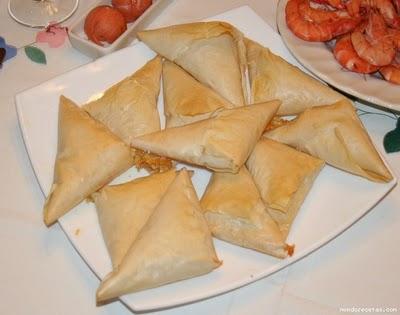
(364, 34)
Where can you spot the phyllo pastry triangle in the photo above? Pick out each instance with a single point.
(334, 133)
(235, 213)
(129, 108)
(213, 52)
(221, 143)
(175, 244)
(124, 209)
(186, 100)
(272, 77)
(284, 176)
(89, 156)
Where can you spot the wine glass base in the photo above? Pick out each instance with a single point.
(35, 13)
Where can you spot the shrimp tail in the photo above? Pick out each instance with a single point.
(347, 57)
(391, 73)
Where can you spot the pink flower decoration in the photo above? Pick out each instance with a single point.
(53, 34)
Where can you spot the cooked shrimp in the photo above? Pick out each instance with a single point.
(348, 58)
(338, 4)
(319, 15)
(397, 5)
(361, 27)
(391, 72)
(384, 7)
(376, 46)
(395, 34)
(388, 11)
(354, 7)
(312, 31)
(304, 29)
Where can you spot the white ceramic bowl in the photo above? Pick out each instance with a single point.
(80, 41)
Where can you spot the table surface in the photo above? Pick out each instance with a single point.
(41, 273)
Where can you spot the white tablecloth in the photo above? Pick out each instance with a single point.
(41, 273)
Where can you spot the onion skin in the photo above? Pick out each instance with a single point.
(104, 24)
(131, 9)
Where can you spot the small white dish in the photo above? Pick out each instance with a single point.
(319, 60)
(80, 41)
(336, 201)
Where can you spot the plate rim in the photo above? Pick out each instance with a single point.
(283, 30)
(19, 106)
(235, 285)
(288, 261)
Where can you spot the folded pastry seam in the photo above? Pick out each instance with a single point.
(335, 134)
(124, 209)
(213, 52)
(284, 177)
(82, 165)
(174, 244)
(235, 213)
(221, 143)
(272, 77)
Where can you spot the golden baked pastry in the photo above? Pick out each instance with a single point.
(129, 108)
(88, 157)
(284, 176)
(335, 134)
(221, 143)
(175, 244)
(272, 77)
(186, 100)
(213, 52)
(235, 213)
(124, 209)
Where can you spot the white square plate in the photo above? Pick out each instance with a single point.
(336, 201)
